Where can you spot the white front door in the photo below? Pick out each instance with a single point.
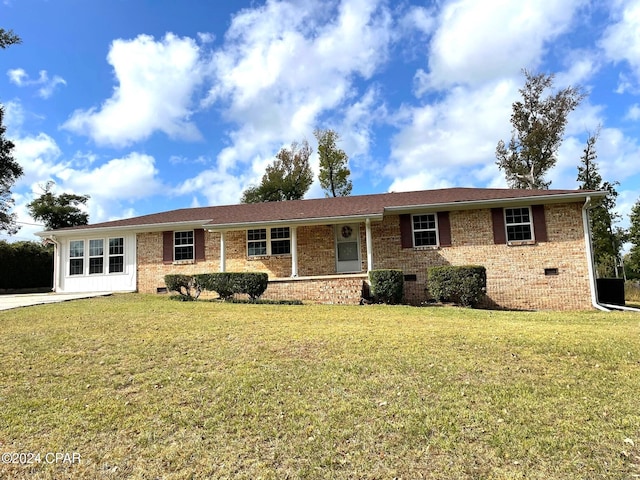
(348, 248)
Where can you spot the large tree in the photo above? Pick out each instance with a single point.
(334, 170)
(538, 128)
(59, 211)
(288, 178)
(10, 170)
(607, 241)
(632, 259)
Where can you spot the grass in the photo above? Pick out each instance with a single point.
(145, 388)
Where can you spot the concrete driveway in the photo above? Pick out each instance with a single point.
(8, 302)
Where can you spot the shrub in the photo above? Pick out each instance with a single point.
(253, 284)
(464, 285)
(183, 284)
(387, 286)
(225, 284)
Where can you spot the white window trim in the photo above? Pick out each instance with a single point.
(84, 253)
(110, 256)
(530, 241)
(436, 229)
(86, 257)
(268, 239)
(192, 245)
(96, 256)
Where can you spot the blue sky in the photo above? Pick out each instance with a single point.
(151, 105)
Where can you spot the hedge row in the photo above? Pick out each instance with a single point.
(25, 265)
(465, 285)
(225, 284)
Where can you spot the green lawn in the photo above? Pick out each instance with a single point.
(142, 387)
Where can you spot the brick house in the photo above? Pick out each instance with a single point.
(534, 244)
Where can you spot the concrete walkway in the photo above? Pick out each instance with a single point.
(8, 302)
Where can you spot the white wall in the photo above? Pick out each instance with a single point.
(105, 282)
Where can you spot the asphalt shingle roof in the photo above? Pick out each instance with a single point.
(360, 205)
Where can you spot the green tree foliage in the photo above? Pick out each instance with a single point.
(538, 129)
(334, 172)
(10, 170)
(288, 178)
(8, 38)
(59, 211)
(632, 259)
(607, 241)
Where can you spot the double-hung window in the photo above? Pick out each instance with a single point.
(518, 224)
(96, 256)
(272, 241)
(425, 230)
(102, 255)
(116, 255)
(183, 245)
(76, 257)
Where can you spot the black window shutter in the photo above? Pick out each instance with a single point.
(444, 229)
(167, 247)
(539, 223)
(499, 233)
(406, 231)
(198, 238)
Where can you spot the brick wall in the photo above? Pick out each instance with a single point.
(337, 290)
(515, 274)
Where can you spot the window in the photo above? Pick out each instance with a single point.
(116, 255)
(76, 257)
(96, 256)
(274, 241)
(257, 242)
(183, 245)
(518, 223)
(280, 241)
(425, 230)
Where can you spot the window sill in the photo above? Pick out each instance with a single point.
(426, 247)
(267, 257)
(521, 243)
(183, 262)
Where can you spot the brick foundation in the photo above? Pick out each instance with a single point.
(344, 290)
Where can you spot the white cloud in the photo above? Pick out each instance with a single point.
(621, 41)
(156, 83)
(633, 113)
(285, 64)
(451, 141)
(128, 178)
(19, 77)
(479, 41)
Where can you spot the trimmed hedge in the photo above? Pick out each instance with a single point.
(465, 285)
(25, 265)
(225, 284)
(387, 286)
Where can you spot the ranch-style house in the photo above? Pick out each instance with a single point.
(535, 245)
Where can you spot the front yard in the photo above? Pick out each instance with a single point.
(136, 386)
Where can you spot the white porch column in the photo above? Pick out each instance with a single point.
(294, 251)
(223, 253)
(369, 245)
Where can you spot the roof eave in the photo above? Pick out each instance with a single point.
(150, 227)
(494, 202)
(217, 227)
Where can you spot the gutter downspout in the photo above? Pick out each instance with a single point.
(589, 248)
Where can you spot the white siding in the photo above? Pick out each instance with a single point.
(104, 282)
